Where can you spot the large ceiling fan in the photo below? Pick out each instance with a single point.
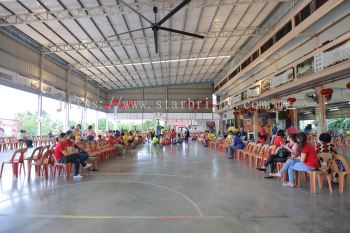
(156, 26)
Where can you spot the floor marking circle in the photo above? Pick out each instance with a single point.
(199, 212)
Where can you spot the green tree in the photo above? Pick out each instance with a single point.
(28, 122)
(102, 124)
(149, 124)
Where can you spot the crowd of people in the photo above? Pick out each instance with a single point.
(68, 148)
(292, 148)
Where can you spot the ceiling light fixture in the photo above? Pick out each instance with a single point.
(165, 61)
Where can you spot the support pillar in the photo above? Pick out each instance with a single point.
(143, 99)
(295, 118)
(66, 120)
(321, 110)
(84, 109)
(255, 125)
(97, 110)
(40, 97)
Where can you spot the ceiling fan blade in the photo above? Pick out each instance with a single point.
(173, 11)
(155, 33)
(181, 32)
(132, 9)
(129, 32)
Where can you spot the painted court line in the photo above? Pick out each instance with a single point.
(272, 216)
(99, 217)
(147, 174)
(199, 212)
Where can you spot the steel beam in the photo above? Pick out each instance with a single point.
(60, 48)
(150, 60)
(171, 76)
(117, 9)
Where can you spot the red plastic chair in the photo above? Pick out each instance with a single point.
(16, 159)
(35, 156)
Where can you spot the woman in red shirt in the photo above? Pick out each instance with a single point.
(307, 161)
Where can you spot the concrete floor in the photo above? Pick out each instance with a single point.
(182, 188)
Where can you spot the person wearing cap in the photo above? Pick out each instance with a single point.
(65, 154)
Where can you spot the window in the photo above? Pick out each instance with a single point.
(303, 14)
(245, 63)
(319, 3)
(255, 55)
(267, 45)
(284, 31)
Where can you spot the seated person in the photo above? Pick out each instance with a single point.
(206, 138)
(279, 139)
(161, 141)
(65, 154)
(237, 145)
(83, 155)
(50, 135)
(306, 161)
(261, 138)
(155, 140)
(290, 149)
(324, 145)
(24, 138)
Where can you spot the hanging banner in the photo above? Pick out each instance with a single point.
(8, 127)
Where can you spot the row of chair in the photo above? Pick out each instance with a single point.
(10, 143)
(45, 164)
(255, 154)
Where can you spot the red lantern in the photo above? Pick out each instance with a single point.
(348, 85)
(123, 106)
(195, 106)
(58, 110)
(291, 100)
(190, 104)
(130, 103)
(204, 102)
(210, 105)
(107, 106)
(115, 102)
(327, 93)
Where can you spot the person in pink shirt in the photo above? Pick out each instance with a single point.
(90, 133)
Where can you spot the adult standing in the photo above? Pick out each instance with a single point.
(187, 135)
(77, 133)
(90, 134)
